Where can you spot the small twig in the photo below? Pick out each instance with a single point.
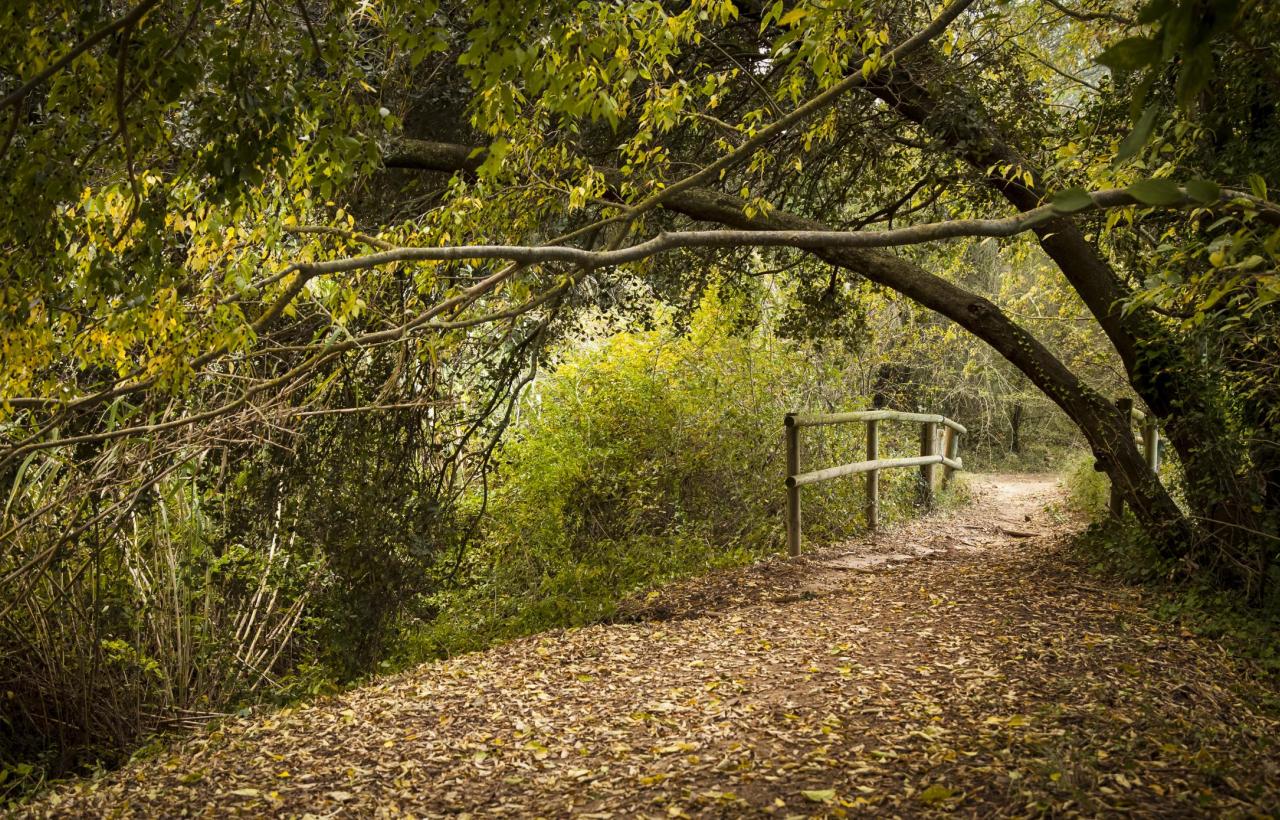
(1091, 16)
(306, 19)
(10, 131)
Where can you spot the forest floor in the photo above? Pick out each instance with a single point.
(978, 669)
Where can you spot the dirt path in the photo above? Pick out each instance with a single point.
(988, 676)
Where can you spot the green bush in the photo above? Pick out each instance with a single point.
(1088, 490)
(646, 455)
(269, 574)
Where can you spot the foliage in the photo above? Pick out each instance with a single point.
(213, 400)
(171, 626)
(1249, 629)
(1186, 29)
(1087, 488)
(647, 455)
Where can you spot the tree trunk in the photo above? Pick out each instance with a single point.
(1168, 377)
(1015, 428)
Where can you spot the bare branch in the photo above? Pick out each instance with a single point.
(354, 236)
(803, 239)
(1091, 16)
(322, 355)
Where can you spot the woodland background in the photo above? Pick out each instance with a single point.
(231, 477)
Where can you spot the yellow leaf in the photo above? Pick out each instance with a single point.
(792, 17)
(936, 794)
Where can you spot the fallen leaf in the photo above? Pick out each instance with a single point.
(936, 794)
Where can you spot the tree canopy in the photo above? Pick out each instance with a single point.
(266, 226)
(192, 194)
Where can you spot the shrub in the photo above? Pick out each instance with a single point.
(646, 455)
(1088, 490)
(163, 626)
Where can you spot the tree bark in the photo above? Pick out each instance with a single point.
(1015, 429)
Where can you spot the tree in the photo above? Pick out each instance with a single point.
(1160, 366)
(154, 266)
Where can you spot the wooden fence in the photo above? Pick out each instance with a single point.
(1150, 436)
(932, 453)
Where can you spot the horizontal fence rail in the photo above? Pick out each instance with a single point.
(931, 455)
(867, 466)
(816, 419)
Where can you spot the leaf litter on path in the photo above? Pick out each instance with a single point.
(992, 676)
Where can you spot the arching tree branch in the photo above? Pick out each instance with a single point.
(812, 239)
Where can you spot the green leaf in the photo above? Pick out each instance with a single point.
(1141, 133)
(936, 794)
(1202, 190)
(1130, 54)
(1177, 31)
(1138, 137)
(1155, 192)
(820, 795)
(1070, 200)
(1196, 71)
(1154, 10)
(1258, 185)
(794, 16)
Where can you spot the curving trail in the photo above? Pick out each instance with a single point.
(964, 663)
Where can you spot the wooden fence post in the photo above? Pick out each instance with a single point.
(934, 441)
(873, 476)
(1125, 408)
(928, 438)
(792, 433)
(1151, 444)
(951, 449)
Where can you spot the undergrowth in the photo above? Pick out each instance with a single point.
(645, 456)
(641, 455)
(1197, 604)
(1189, 597)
